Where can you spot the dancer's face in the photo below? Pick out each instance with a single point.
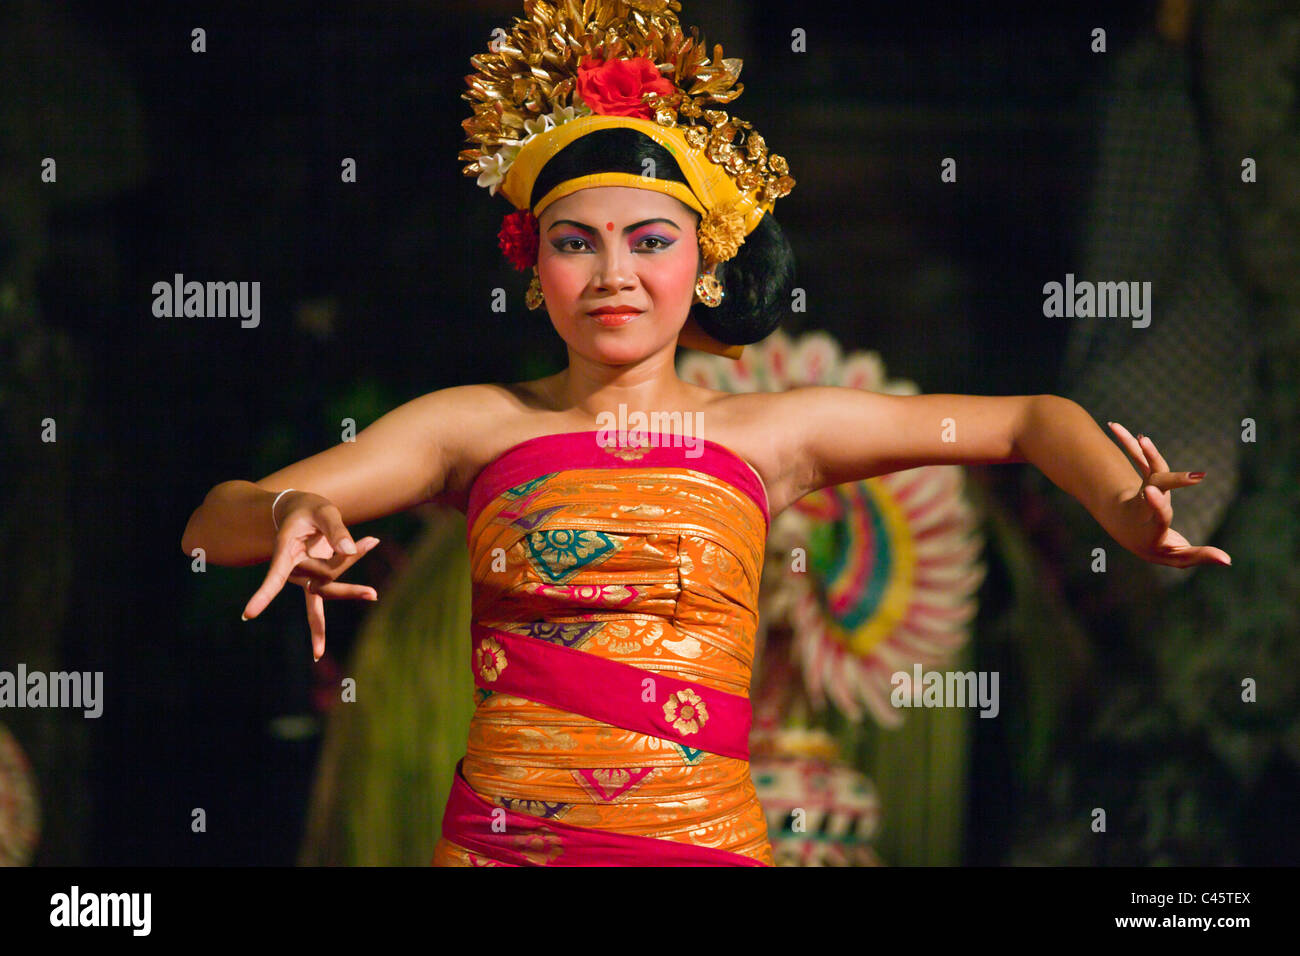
(618, 246)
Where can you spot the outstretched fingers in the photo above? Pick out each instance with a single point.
(1156, 459)
(1130, 445)
(276, 577)
(316, 620)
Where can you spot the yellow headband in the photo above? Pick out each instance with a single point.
(710, 187)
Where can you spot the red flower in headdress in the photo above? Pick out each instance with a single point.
(519, 238)
(614, 87)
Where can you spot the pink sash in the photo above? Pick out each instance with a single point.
(633, 698)
(505, 836)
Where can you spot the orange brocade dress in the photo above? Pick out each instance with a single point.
(614, 613)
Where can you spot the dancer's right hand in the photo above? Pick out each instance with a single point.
(310, 552)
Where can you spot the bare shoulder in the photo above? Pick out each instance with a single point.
(753, 422)
(460, 412)
(478, 422)
(763, 428)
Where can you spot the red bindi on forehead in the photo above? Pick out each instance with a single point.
(609, 226)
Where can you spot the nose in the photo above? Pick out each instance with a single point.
(615, 268)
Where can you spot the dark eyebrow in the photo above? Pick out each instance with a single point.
(636, 225)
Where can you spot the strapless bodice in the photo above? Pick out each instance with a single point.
(647, 558)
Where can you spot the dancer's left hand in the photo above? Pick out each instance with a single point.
(1146, 517)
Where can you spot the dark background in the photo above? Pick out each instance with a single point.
(225, 165)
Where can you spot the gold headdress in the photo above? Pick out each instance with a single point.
(571, 67)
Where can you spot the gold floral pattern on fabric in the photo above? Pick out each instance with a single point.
(628, 637)
(686, 711)
(541, 848)
(540, 740)
(612, 778)
(490, 659)
(612, 784)
(626, 454)
(614, 596)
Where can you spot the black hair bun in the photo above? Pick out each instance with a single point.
(757, 282)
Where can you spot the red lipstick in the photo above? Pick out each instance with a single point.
(612, 316)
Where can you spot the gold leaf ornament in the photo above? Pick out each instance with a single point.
(721, 232)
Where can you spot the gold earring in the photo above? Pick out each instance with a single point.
(709, 289)
(533, 297)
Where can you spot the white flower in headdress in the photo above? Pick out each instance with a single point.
(538, 125)
(494, 169)
(495, 166)
(564, 114)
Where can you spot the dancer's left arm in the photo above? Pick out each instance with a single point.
(848, 434)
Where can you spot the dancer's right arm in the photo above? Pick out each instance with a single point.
(400, 461)
(396, 463)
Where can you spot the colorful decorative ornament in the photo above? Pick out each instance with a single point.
(709, 290)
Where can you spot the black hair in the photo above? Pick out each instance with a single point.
(757, 280)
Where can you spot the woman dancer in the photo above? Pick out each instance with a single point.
(617, 515)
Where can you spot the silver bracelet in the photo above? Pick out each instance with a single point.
(276, 502)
